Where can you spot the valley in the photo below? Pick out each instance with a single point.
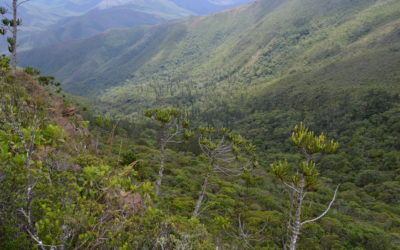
(267, 124)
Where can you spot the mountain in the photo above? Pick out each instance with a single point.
(173, 41)
(202, 7)
(163, 7)
(259, 69)
(253, 44)
(51, 22)
(92, 23)
(39, 15)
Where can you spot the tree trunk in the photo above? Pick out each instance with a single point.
(161, 170)
(296, 227)
(14, 34)
(201, 197)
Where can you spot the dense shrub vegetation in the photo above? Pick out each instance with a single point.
(63, 186)
(193, 143)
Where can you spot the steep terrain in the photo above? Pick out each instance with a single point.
(167, 47)
(51, 22)
(258, 69)
(39, 15)
(250, 45)
(91, 23)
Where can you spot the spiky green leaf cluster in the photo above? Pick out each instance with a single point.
(162, 115)
(280, 169)
(310, 143)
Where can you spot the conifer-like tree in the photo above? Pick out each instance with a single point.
(302, 178)
(171, 125)
(11, 24)
(226, 153)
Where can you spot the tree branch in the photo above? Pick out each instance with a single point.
(325, 212)
(21, 3)
(291, 187)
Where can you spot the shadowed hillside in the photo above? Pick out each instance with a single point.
(247, 46)
(92, 23)
(51, 22)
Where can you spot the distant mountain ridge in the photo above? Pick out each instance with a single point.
(92, 23)
(48, 22)
(202, 7)
(39, 14)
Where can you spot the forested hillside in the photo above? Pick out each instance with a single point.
(51, 22)
(252, 45)
(66, 185)
(199, 133)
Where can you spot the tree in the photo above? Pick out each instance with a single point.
(226, 153)
(11, 24)
(171, 125)
(304, 178)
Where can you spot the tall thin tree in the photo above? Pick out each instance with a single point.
(11, 24)
(226, 153)
(303, 178)
(170, 126)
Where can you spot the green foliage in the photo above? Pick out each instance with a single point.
(311, 144)
(333, 65)
(87, 160)
(99, 186)
(219, 145)
(31, 71)
(194, 71)
(46, 80)
(128, 157)
(300, 180)
(163, 116)
(4, 65)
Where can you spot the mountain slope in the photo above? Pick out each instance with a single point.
(248, 45)
(39, 15)
(51, 22)
(260, 69)
(92, 23)
(130, 49)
